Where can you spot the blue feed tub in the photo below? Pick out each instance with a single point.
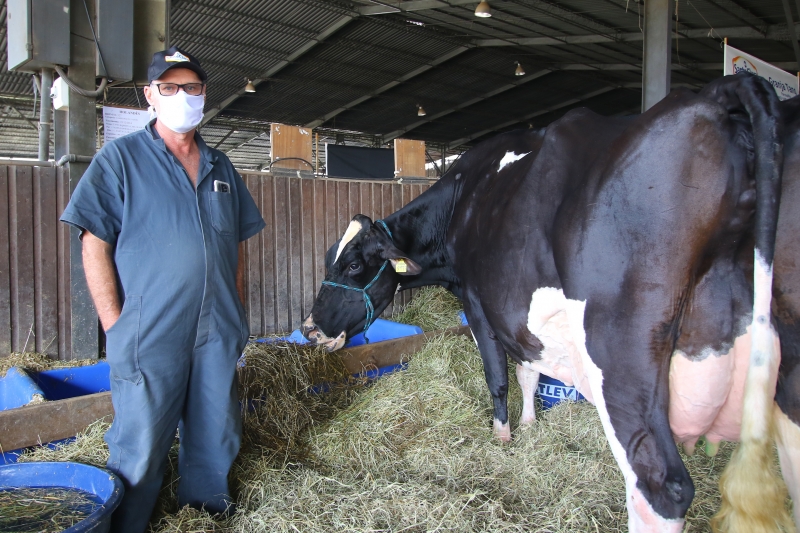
(380, 330)
(17, 388)
(553, 391)
(63, 383)
(103, 485)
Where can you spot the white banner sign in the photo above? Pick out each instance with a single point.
(786, 85)
(119, 121)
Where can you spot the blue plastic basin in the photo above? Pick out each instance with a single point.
(63, 383)
(553, 391)
(17, 388)
(103, 485)
(380, 330)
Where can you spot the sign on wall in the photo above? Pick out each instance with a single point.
(785, 84)
(119, 121)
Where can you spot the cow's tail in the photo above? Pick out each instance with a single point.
(753, 494)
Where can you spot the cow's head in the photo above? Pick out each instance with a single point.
(365, 257)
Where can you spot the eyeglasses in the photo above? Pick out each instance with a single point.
(171, 89)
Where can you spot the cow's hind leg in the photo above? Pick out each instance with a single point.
(631, 393)
(495, 365)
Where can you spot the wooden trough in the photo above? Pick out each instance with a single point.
(50, 421)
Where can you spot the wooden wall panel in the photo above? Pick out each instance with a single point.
(23, 314)
(5, 266)
(286, 261)
(64, 304)
(45, 238)
(283, 265)
(409, 158)
(291, 141)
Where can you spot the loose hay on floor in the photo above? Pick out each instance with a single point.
(414, 452)
(432, 308)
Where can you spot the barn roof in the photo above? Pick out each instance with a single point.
(359, 69)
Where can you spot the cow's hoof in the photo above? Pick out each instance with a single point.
(711, 448)
(502, 431)
(527, 420)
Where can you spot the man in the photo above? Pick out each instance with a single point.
(161, 216)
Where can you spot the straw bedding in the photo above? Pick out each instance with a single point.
(413, 452)
(36, 362)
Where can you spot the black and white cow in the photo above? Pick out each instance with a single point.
(631, 257)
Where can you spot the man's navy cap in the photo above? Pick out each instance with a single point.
(173, 58)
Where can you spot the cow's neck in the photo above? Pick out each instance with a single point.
(420, 230)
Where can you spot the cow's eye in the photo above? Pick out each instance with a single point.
(355, 267)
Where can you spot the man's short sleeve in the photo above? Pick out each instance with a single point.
(96, 204)
(250, 220)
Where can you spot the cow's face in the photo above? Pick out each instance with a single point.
(355, 261)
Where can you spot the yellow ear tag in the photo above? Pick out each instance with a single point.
(400, 266)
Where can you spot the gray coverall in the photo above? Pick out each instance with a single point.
(174, 349)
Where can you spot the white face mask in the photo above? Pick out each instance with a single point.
(181, 112)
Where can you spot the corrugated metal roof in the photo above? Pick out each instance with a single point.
(329, 62)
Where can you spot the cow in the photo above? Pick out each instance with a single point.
(631, 257)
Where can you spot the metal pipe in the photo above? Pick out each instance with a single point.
(45, 114)
(72, 158)
(26, 163)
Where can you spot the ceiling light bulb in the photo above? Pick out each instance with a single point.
(520, 71)
(249, 88)
(420, 111)
(483, 10)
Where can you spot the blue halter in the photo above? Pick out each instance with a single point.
(367, 301)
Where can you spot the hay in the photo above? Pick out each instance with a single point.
(88, 447)
(36, 362)
(280, 381)
(432, 308)
(414, 452)
(43, 510)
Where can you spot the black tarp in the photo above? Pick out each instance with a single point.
(358, 162)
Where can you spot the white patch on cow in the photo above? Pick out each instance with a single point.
(349, 235)
(551, 304)
(764, 356)
(509, 158)
(528, 380)
(549, 320)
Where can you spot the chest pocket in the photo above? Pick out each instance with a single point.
(222, 216)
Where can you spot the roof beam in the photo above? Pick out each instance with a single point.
(732, 8)
(546, 110)
(415, 5)
(397, 133)
(294, 56)
(776, 32)
(413, 74)
(556, 107)
(638, 66)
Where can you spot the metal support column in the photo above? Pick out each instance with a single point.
(76, 133)
(45, 115)
(657, 56)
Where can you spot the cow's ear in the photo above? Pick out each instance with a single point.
(401, 264)
(405, 266)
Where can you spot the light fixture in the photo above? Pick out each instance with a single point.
(483, 10)
(249, 88)
(420, 111)
(520, 71)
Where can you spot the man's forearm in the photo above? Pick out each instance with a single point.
(101, 277)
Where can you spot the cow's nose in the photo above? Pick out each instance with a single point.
(308, 326)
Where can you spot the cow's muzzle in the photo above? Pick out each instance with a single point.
(316, 336)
